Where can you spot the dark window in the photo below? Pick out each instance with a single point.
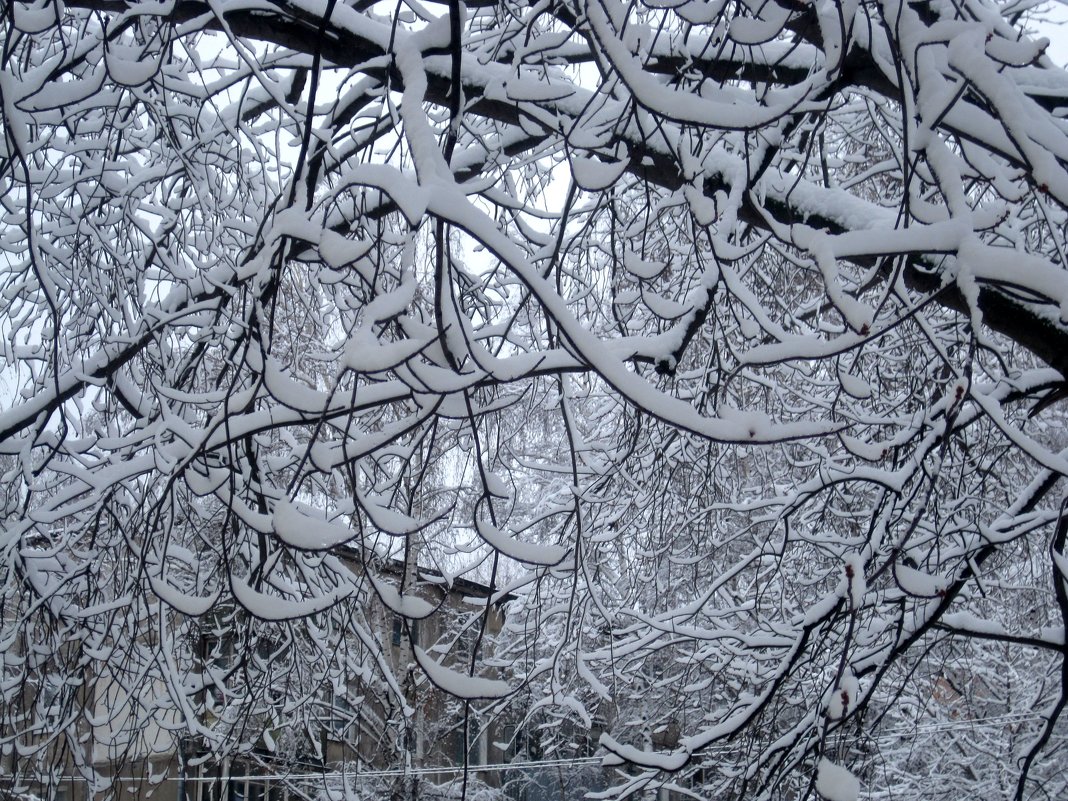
(340, 718)
(465, 644)
(398, 630)
(211, 789)
(458, 746)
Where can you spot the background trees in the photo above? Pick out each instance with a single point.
(731, 337)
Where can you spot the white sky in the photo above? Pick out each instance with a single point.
(1057, 33)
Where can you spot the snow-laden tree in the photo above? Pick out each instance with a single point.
(731, 337)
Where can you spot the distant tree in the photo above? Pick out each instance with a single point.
(730, 336)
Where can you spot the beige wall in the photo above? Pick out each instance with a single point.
(130, 737)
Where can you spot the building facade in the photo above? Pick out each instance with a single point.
(251, 723)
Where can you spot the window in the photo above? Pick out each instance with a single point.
(341, 717)
(210, 788)
(229, 783)
(457, 746)
(50, 698)
(398, 630)
(464, 647)
(476, 744)
(508, 741)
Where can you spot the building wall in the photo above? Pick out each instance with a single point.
(131, 734)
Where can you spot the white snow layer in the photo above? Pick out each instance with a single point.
(299, 529)
(529, 552)
(835, 783)
(459, 684)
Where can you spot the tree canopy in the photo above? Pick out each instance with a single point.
(730, 337)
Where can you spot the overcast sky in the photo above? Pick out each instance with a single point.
(1058, 34)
